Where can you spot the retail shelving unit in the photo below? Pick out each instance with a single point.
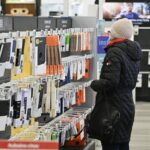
(88, 23)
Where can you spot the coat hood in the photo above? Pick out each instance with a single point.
(131, 48)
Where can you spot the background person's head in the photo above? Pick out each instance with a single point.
(122, 28)
(130, 7)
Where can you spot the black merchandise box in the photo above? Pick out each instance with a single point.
(64, 22)
(25, 23)
(143, 93)
(46, 23)
(6, 23)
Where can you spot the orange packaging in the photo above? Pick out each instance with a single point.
(78, 102)
(50, 43)
(87, 41)
(87, 68)
(80, 140)
(81, 95)
(58, 61)
(60, 69)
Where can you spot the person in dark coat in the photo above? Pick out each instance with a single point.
(118, 79)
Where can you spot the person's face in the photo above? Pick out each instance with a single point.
(130, 7)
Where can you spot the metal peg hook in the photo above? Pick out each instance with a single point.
(18, 34)
(27, 33)
(10, 35)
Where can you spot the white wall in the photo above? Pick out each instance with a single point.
(79, 7)
(51, 5)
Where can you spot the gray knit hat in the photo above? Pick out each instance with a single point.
(122, 28)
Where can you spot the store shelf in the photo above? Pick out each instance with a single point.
(144, 72)
(145, 50)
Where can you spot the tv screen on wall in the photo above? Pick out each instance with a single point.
(138, 12)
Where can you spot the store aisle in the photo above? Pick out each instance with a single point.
(141, 131)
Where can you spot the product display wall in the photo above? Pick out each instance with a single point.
(37, 69)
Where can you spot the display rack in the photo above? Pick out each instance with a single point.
(81, 24)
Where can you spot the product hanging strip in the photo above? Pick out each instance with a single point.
(75, 68)
(23, 47)
(25, 101)
(72, 94)
(63, 129)
(75, 40)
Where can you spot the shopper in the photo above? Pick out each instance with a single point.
(117, 80)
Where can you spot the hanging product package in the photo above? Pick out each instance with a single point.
(5, 131)
(67, 42)
(54, 66)
(87, 69)
(51, 99)
(26, 106)
(7, 52)
(37, 100)
(17, 121)
(19, 56)
(62, 42)
(50, 55)
(23, 65)
(39, 55)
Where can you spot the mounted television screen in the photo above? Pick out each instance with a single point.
(138, 12)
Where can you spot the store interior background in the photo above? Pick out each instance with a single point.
(93, 10)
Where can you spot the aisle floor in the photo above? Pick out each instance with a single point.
(141, 130)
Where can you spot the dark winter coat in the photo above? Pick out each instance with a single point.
(117, 80)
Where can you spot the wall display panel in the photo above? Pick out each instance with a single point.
(141, 38)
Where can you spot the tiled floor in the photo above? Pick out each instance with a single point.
(141, 130)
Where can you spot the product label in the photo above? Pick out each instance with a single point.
(7, 145)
